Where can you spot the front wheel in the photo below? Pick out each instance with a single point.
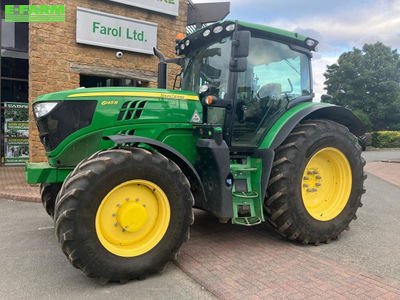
(123, 214)
(316, 182)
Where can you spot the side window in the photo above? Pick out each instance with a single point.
(275, 75)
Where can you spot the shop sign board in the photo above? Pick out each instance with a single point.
(112, 31)
(169, 7)
(16, 131)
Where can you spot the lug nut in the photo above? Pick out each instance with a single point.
(318, 184)
(127, 199)
(305, 185)
(137, 199)
(306, 178)
(314, 190)
(144, 205)
(114, 214)
(315, 172)
(318, 177)
(115, 224)
(118, 205)
(310, 172)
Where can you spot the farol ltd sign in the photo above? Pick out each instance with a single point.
(169, 7)
(112, 31)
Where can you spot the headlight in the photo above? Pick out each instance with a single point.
(187, 43)
(43, 108)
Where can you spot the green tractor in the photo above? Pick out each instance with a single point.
(241, 139)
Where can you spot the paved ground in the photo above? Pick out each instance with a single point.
(33, 266)
(228, 261)
(13, 185)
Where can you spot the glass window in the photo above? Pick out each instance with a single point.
(98, 81)
(275, 75)
(14, 91)
(14, 68)
(14, 35)
(208, 65)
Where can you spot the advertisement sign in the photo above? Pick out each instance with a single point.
(112, 31)
(169, 7)
(16, 131)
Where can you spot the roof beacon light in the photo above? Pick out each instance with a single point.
(179, 37)
(230, 27)
(209, 100)
(206, 32)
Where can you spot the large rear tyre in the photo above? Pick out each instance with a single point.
(316, 182)
(123, 214)
(48, 194)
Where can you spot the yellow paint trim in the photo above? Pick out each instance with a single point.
(133, 218)
(326, 184)
(137, 94)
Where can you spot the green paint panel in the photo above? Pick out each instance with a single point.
(251, 173)
(43, 172)
(272, 133)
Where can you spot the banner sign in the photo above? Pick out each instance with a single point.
(169, 7)
(16, 131)
(112, 31)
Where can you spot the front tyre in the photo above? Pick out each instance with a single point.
(123, 214)
(316, 182)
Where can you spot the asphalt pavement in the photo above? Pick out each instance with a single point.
(34, 267)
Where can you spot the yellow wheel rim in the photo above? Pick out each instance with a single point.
(326, 184)
(133, 218)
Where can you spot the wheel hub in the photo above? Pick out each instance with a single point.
(326, 184)
(132, 216)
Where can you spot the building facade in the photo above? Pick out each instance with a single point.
(85, 51)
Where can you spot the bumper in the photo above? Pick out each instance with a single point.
(44, 173)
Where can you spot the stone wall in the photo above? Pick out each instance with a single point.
(55, 59)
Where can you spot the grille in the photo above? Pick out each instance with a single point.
(131, 110)
(65, 119)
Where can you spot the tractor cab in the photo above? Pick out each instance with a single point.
(247, 76)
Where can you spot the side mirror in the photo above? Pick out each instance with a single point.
(238, 64)
(241, 44)
(240, 51)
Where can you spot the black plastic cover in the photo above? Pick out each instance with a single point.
(66, 118)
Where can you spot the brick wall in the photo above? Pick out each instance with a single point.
(52, 48)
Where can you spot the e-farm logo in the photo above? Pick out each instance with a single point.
(34, 13)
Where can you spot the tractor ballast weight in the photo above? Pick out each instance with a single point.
(241, 139)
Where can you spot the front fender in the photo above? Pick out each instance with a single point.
(306, 111)
(169, 152)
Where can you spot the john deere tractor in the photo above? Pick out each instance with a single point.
(240, 138)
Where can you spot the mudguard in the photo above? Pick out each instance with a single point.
(169, 152)
(334, 113)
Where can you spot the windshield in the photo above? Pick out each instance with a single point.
(208, 65)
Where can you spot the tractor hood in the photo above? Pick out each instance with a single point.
(82, 117)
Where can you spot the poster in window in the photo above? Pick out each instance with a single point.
(16, 131)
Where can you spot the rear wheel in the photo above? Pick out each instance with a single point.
(123, 214)
(48, 194)
(316, 182)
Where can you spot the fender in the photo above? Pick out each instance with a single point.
(307, 111)
(169, 152)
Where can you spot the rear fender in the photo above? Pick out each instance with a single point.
(334, 113)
